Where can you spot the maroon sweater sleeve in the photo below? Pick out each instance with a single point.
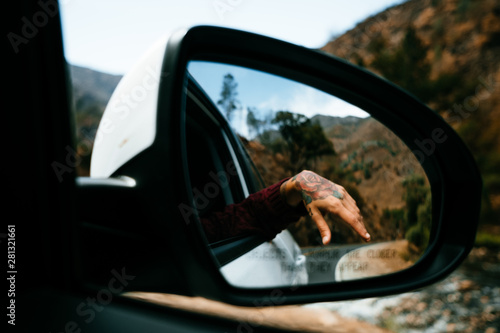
(264, 212)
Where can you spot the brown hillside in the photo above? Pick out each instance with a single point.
(370, 161)
(390, 163)
(461, 43)
(461, 35)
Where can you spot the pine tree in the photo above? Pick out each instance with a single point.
(228, 100)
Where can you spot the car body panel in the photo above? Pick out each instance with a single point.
(278, 262)
(128, 125)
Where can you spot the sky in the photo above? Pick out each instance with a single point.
(111, 35)
(265, 94)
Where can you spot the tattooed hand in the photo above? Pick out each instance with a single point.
(321, 196)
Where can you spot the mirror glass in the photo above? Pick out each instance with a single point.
(285, 127)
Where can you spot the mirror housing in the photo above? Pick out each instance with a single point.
(448, 164)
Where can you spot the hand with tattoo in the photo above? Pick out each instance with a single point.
(321, 196)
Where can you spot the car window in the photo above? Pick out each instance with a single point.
(216, 174)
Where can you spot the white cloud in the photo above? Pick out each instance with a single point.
(309, 102)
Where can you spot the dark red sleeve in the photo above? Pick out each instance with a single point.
(263, 212)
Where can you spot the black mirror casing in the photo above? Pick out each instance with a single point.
(452, 173)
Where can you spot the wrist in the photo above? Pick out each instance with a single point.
(291, 193)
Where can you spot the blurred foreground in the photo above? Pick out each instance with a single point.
(466, 301)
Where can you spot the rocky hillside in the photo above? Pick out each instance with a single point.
(370, 161)
(446, 52)
(92, 88)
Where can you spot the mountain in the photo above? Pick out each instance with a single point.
(329, 121)
(459, 36)
(91, 89)
(447, 53)
(91, 93)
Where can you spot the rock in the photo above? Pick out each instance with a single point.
(484, 299)
(397, 310)
(467, 298)
(421, 306)
(437, 304)
(451, 298)
(447, 313)
(467, 285)
(450, 327)
(411, 319)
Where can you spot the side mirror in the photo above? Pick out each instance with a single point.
(151, 147)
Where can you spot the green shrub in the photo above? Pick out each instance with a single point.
(487, 239)
(418, 235)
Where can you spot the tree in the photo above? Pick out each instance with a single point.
(418, 215)
(255, 125)
(414, 196)
(304, 140)
(228, 100)
(407, 66)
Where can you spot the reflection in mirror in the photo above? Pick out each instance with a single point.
(286, 127)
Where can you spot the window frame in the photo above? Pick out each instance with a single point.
(232, 248)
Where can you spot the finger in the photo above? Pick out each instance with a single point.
(367, 236)
(351, 205)
(354, 220)
(348, 202)
(348, 198)
(320, 222)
